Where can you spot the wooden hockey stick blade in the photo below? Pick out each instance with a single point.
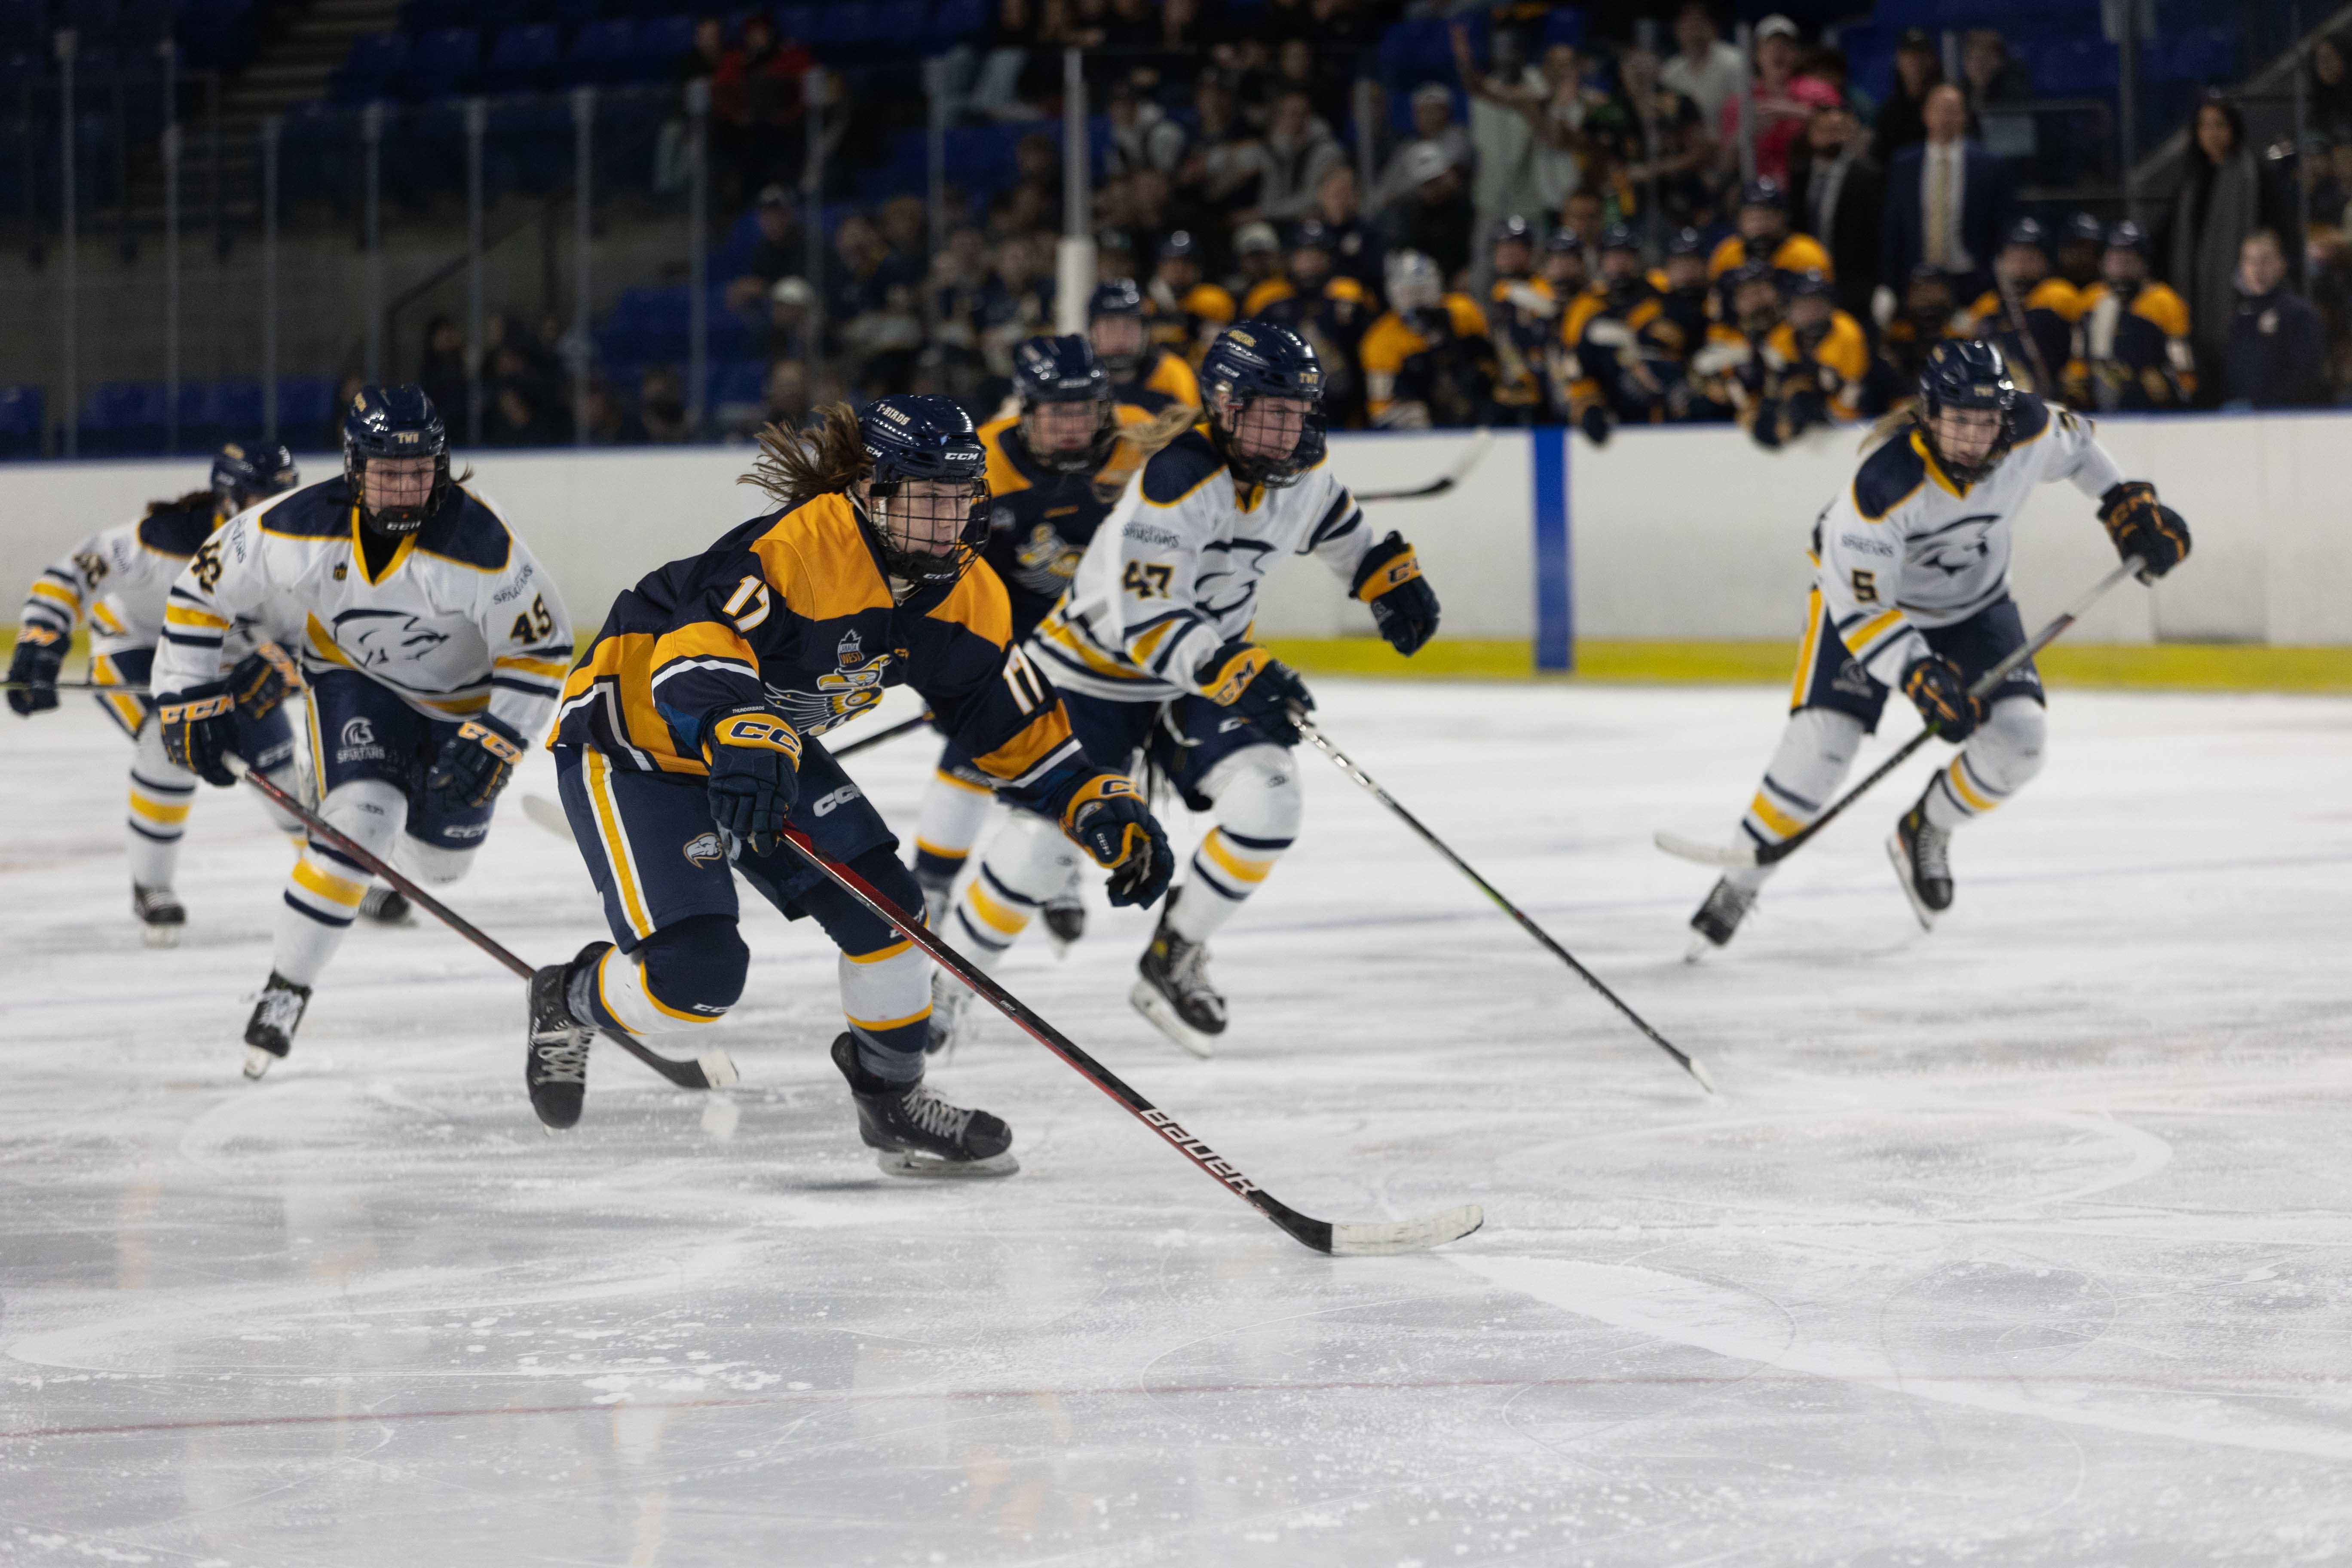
(1470, 459)
(1731, 855)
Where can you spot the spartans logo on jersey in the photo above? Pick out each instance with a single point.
(854, 686)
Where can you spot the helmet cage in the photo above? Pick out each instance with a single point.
(909, 561)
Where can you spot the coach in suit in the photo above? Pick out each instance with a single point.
(1947, 199)
(1838, 195)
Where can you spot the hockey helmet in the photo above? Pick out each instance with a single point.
(1064, 371)
(1764, 191)
(390, 423)
(2127, 236)
(2027, 231)
(1686, 242)
(247, 471)
(2083, 228)
(1260, 359)
(924, 438)
(1967, 373)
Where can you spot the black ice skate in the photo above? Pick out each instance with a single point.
(916, 1133)
(556, 1061)
(277, 1014)
(1919, 850)
(1716, 919)
(161, 916)
(1066, 920)
(1174, 992)
(386, 907)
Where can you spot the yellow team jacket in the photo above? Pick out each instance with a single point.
(1391, 341)
(1845, 352)
(1796, 253)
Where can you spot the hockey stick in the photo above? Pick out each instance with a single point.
(134, 689)
(904, 727)
(1340, 1240)
(1469, 459)
(1682, 1059)
(713, 1069)
(2013, 308)
(1741, 855)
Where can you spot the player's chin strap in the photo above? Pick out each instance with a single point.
(713, 1069)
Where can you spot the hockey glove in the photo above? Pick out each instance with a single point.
(754, 757)
(1801, 411)
(475, 764)
(1404, 607)
(199, 729)
(33, 669)
(1766, 425)
(1595, 423)
(1259, 687)
(1940, 692)
(261, 680)
(2142, 526)
(1108, 820)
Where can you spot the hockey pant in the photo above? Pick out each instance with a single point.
(663, 871)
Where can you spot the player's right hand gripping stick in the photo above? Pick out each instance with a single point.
(1404, 607)
(1940, 692)
(2141, 525)
(754, 757)
(1107, 819)
(1259, 687)
(33, 668)
(200, 731)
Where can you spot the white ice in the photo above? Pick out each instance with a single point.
(2020, 1243)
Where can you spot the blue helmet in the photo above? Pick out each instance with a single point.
(1965, 373)
(1764, 192)
(1256, 358)
(1120, 297)
(1686, 242)
(395, 422)
(1119, 300)
(2027, 231)
(2127, 236)
(1064, 370)
(247, 471)
(915, 438)
(2083, 228)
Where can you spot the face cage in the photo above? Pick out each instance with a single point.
(1123, 367)
(396, 521)
(1274, 473)
(1085, 460)
(1969, 473)
(919, 565)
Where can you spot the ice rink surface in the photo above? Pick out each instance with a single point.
(2023, 1243)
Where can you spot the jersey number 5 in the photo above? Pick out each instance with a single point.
(1148, 579)
(532, 624)
(1866, 587)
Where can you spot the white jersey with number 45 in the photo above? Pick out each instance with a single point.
(1904, 547)
(1173, 571)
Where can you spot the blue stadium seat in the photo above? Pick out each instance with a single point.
(1563, 24)
(738, 381)
(443, 64)
(123, 417)
(570, 15)
(959, 21)
(22, 66)
(304, 403)
(371, 71)
(660, 42)
(603, 53)
(24, 414)
(523, 59)
(215, 35)
(23, 23)
(2205, 56)
(94, 18)
(529, 144)
(2080, 69)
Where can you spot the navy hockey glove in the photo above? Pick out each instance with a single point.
(1108, 820)
(475, 764)
(199, 729)
(1801, 411)
(2141, 526)
(1940, 692)
(33, 669)
(1595, 423)
(261, 680)
(1404, 607)
(1259, 687)
(1766, 426)
(754, 756)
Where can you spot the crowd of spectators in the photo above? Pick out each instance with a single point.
(1576, 234)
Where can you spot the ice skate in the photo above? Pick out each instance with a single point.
(916, 1133)
(555, 1061)
(1066, 920)
(161, 916)
(1174, 992)
(1717, 917)
(952, 1018)
(277, 1014)
(386, 907)
(1919, 850)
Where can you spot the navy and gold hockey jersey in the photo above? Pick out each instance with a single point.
(1040, 521)
(793, 609)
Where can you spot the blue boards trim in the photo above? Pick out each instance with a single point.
(1555, 596)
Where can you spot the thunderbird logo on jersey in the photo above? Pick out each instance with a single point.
(853, 685)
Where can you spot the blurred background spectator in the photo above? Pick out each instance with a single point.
(2274, 355)
(2222, 197)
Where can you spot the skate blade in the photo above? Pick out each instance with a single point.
(1163, 1017)
(1902, 863)
(1700, 947)
(1060, 944)
(930, 1168)
(257, 1061)
(160, 936)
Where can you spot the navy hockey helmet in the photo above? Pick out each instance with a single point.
(1180, 247)
(1064, 371)
(1809, 286)
(2127, 236)
(1686, 242)
(1619, 236)
(1254, 360)
(1562, 239)
(915, 439)
(2027, 231)
(1120, 297)
(1966, 372)
(2083, 228)
(247, 471)
(1121, 346)
(1764, 191)
(1312, 234)
(393, 423)
(1515, 227)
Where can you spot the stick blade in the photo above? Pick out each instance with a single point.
(1380, 1240)
(1731, 855)
(717, 1070)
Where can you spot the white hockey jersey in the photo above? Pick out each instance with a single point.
(462, 620)
(1905, 548)
(1173, 571)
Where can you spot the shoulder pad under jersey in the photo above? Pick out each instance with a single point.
(322, 510)
(1179, 469)
(2031, 418)
(1888, 477)
(175, 532)
(466, 531)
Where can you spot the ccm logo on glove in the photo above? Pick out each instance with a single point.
(757, 730)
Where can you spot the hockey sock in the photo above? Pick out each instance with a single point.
(953, 811)
(323, 894)
(1259, 810)
(2001, 758)
(1027, 863)
(1816, 748)
(160, 798)
(886, 980)
(682, 977)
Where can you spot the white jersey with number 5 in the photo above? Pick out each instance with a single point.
(1172, 573)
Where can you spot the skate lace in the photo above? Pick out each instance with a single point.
(279, 1009)
(1932, 853)
(1191, 969)
(935, 1116)
(563, 1060)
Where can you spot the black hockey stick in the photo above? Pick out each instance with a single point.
(1340, 1240)
(134, 689)
(1453, 476)
(713, 1069)
(904, 727)
(1739, 855)
(1347, 765)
